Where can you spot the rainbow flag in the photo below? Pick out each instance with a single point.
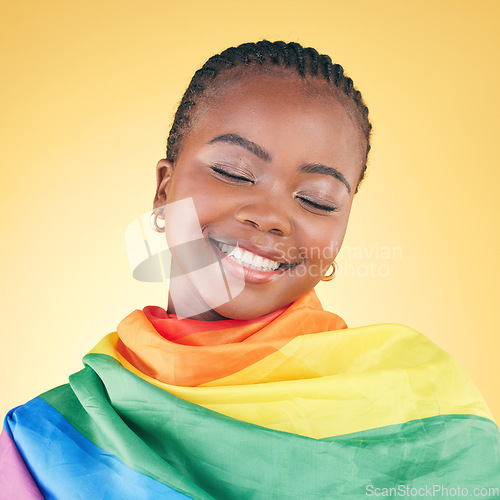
(290, 405)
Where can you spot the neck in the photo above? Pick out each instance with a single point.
(189, 311)
(184, 299)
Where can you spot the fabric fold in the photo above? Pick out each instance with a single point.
(211, 353)
(292, 405)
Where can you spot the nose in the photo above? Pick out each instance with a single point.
(267, 213)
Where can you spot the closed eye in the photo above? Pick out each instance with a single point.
(318, 206)
(228, 175)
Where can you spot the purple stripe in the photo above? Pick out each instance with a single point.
(15, 480)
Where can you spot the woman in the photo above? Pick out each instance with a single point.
(245, 386)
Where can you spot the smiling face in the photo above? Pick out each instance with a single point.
(271, 165)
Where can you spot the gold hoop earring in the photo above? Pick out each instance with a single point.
(154, 220)
(329, 277)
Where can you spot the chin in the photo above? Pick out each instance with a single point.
(243, 307)
(232, 311)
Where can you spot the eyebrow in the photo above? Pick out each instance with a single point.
(241, 141)
(308, 168)
(319, 168)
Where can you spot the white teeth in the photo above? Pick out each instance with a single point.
(236, 253)
(257, 261)
(268, 263)
(248, 259)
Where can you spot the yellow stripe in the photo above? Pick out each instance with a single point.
(334, 383)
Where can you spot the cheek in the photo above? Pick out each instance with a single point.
(212, 209)
(324, 242)
(204, 195)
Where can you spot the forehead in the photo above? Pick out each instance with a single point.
(299, 119)
(238, 86)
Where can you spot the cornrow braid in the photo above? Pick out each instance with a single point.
(266, 54)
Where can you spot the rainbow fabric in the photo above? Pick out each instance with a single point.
(290, 405)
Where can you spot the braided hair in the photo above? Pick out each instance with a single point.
(267, 56)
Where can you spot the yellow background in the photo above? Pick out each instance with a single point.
(88, 93)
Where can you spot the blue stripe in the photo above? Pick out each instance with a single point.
(66, 465)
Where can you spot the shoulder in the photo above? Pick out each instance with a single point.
(403, 366)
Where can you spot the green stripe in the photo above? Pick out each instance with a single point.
(205, 454)
(85, 405)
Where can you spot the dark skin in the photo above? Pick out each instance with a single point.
(254, 165)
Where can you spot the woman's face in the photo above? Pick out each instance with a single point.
(271, 169)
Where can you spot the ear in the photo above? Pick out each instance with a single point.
(164, 172)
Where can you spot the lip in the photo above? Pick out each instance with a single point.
(245, 273)
(266, 252)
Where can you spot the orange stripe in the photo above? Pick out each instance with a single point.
(178, 364)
